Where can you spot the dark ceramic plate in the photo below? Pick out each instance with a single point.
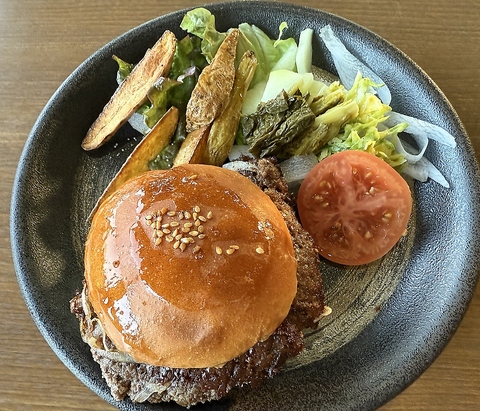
(390, 319)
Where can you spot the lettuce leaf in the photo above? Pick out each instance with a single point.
(124, 68)
(166, 93)
(164, 160)
(159, 101)
(187, 54)
(367, 137)
(271, 54)
(201, 23)
(367, 132)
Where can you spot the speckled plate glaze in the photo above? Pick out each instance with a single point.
(390, 319)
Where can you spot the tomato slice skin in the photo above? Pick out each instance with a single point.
(355, 206)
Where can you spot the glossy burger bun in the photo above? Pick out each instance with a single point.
(189, 267)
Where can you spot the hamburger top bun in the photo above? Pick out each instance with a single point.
(189, 267)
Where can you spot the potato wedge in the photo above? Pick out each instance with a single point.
(215, 82)
(137, 162)
(224, 127)
(193, 149)
(132, 92)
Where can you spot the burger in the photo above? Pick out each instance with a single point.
(198, 280)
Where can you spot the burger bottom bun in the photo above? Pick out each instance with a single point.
(189, 267)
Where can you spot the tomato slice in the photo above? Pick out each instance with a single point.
(355, 206)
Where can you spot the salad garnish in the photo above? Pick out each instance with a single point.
(241, 93)
(352, 113)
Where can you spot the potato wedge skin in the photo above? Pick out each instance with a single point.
(215, 82)
(193, 149)
(132, 92)
(137, 162)
(224, 128)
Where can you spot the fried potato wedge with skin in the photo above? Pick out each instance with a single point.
(224, 128)
(132, 92)
(137, 162)
(193, 148)
(215, 82)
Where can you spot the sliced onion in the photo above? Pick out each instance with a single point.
(137, 122)
(408, 153)
(423, 169)
(348, 65)
(117, 356)
(240, 166)
(239, 151)
(148, 388)
(421, 129)
(296, 168)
